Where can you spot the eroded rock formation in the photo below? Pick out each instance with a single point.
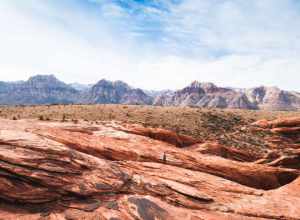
(110, 170)
(209, 95)
(284, 142)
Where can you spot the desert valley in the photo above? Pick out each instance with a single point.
(149, 110)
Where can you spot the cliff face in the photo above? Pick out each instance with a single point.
(46, 89)
(209, 95)
(272, 98)
(40, 89)
(205, 95)
(116, 92)
(110, 170)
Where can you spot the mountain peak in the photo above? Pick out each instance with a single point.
(103, 82)
(47, 89)
(106, 91)
(195, 84)
(115, 84)
(40, 77)
(203, 85)
(45, 81)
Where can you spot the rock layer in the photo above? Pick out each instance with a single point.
(110, 170)
(210, 95)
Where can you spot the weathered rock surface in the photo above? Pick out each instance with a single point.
(284, 142)
(116, 92)
(273, 98)
(205, 95)
(47, 89)
(110, 170)
(210, 95)
(39, 89)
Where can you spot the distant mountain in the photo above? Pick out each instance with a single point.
(272, 98)
(155, 93)
(116, 92)
(205, 95)
(80, 87)
(47, 89)
(40, 89)
(209, 95)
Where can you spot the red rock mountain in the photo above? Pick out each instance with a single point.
(209, 95)
(272, 98)
(205, 95)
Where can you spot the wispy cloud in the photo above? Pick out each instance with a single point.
(155, 43)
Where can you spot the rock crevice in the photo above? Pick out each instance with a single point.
(51, 170)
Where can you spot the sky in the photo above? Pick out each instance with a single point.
(153, 44)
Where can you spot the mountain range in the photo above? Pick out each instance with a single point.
(47, 89)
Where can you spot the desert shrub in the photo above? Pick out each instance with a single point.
(64, 118)
(75, 121)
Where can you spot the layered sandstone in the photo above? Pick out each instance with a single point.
(110, 170)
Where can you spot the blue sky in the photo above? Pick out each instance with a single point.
(153, 44)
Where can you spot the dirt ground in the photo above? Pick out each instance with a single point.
(228, 127)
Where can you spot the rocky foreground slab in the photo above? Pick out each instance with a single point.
(110, 170)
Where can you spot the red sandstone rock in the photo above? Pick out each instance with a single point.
(65, 171)
(224, 151)
(286, 122)
(161, 134)
(262, 123)
(124, 146)
(281, 122)
(286, 130)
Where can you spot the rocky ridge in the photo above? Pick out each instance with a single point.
(117, 92)
(111, 170)
(272, 98)
(46, 89)
(40, 89)
(211, 96)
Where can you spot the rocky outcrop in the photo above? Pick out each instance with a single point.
(46, 89)
(40, 89)
(170, 137)
(116, 92)
(272, 98)
(285, 142)
(209, 95)
(205, 95)
(111, 170)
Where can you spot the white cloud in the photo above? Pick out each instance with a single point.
(31, 44)
(232, 42)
